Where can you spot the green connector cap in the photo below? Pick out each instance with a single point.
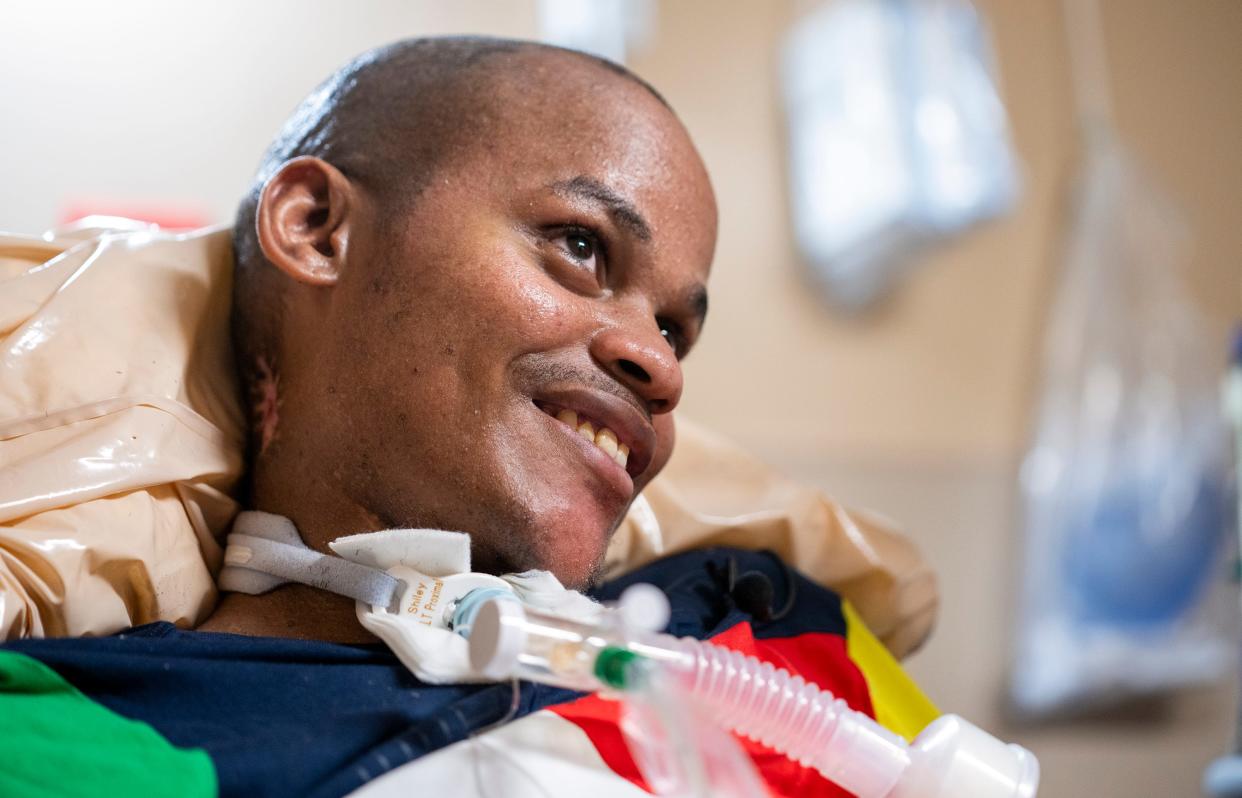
(612, 666)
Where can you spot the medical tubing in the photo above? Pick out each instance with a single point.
(949, 759)
(791, 716)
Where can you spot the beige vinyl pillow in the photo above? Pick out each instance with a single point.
(121, 433)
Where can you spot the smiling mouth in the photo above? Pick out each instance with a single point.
(592, 431)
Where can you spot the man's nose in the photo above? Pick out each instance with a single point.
(638, 356)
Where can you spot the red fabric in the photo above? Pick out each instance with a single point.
(817, 657)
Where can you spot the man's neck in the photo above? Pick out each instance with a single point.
(321, 513)
(296, 611)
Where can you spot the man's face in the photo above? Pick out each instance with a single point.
(539, 291)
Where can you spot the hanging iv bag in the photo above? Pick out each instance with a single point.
(1125, 487)
(897, 137)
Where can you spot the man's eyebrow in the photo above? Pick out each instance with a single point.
(619, 208)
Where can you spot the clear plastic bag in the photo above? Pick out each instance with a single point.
(897, 136)
(1126, 488)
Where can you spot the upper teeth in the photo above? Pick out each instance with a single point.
(604, 438)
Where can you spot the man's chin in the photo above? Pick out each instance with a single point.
(569, 539)
(577, 567)
(583, 578)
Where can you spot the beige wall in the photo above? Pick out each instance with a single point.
(944, 369)
(147, 100)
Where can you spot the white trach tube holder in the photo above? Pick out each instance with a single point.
(951, 758)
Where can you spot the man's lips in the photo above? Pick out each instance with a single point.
(632, 427)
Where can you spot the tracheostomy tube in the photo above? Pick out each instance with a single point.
(951, 758)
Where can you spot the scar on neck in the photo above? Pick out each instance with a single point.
(266, 396)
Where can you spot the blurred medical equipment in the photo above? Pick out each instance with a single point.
(897, 137)
(1125, 486)
(1223, 778)
(622, 654)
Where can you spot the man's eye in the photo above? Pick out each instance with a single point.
(580, 245)
(583, 248)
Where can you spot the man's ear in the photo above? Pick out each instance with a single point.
(303, 220)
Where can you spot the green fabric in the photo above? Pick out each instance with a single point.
(54, 741)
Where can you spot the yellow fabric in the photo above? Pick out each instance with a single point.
(900, 706)
(122, 433)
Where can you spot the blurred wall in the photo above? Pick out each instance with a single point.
(142, 99)
(943, 371)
